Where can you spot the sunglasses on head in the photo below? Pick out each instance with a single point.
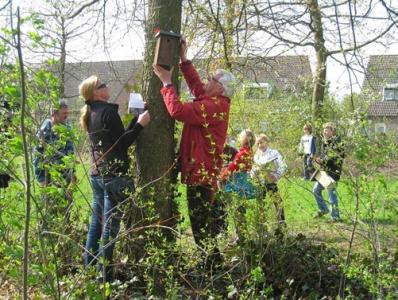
(101, 86)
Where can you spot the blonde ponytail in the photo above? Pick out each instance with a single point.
(84, 114)
(86, 91)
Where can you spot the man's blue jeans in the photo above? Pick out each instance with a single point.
(318, 188)
(105, 225)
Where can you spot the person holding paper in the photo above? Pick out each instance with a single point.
(202, 142)
(268, 168)
(330, 158)
(109, 142)
(136, 104)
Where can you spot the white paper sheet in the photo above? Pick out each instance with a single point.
(136, 101)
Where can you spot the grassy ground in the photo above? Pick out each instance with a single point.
(377, 202)
(377, 213)
(377, 217)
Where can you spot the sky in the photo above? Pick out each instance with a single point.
(126, 40)
(132, 47)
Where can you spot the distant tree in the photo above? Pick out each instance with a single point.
(218, 28)
(336, 30)
(56, 24)
(360, 100)
(329, 28)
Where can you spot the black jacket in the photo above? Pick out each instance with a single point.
(109, 140)
(332, 155)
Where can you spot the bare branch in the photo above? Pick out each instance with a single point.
(5, 5)
(80, 10)
(368, 42)
(391, 11)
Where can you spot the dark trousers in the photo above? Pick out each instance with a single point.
(272, 190)
(307, 166)
(205, 212)
(4, 179)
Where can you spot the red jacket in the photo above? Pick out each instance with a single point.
(205, 129)
(242, 162)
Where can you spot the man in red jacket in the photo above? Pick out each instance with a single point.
(202, 142)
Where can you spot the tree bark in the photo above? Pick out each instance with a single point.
(229, 32)
(318, 93)
(155, 151)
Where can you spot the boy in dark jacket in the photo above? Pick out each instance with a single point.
(331, 160)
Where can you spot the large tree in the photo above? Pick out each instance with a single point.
(155, 151)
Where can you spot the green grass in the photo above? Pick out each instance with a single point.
(377, 212)
(377, 219)
(377, 209)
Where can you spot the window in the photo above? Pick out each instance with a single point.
(390, 92)
(257, 91)
(380, 128)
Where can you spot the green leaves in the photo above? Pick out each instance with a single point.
(16, 146)
(258, 275)
(12, 91)
(37, 21)
(3, 49)
(35, 37)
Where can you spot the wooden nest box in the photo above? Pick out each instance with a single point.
(167, 47)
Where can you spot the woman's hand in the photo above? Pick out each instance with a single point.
(144, 118)
(163, 74)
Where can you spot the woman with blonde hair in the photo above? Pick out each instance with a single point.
(237, 180)
(236, 174)
(109, 142)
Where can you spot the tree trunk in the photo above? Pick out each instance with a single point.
(228, 32)
(155, 151)
(318, 93)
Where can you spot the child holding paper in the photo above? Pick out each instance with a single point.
(268, 168)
